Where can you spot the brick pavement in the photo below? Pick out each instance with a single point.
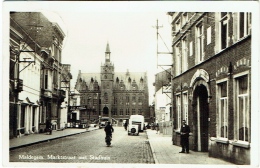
(43, 137)
(166, 153)
(163, 150)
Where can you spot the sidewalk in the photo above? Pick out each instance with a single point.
(43, 137)
(166, 153)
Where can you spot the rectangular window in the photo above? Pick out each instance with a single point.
(242, 108)
(127, 111)
(191, 48)
(178, 105)
(184, 55)
(222, 109)
(178, 59)
(133, 98)
(185, 106)
(223, 30)
(46, 80)
(121, 112)
(208, 35)
(115, 111)
(114, 100)
(133, 111)
(244, 24)
(140, 111)
(199, 42)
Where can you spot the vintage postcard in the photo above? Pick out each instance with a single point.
(130, 84)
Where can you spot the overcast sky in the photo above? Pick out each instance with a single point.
(128, 27)
(131, 35)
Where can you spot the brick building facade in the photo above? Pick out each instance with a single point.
(113, 94)
(212, 82)
(38, 63)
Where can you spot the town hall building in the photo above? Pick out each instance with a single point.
(116, 95)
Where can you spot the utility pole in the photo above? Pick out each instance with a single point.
(157, 34)
(161, 65)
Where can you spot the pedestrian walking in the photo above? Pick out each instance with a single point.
(185, 130)
(125, 125)
(49, 126)
(157, 128)
(109, 129)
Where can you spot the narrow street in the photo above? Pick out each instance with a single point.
(88, 147)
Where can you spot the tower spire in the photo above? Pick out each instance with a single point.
(108, 49)
(107, 53)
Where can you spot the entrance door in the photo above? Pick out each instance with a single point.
(201, 97)
(105, 111)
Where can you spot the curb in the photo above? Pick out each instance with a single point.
(153, 152)
(47, 140)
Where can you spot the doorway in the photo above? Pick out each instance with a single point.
(105, 111)
(201, 117)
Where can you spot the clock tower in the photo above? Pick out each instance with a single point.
(107, 78)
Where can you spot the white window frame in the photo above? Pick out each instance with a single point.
(178, 109)
(184, 54)
(178, 59)
(247, 24)
(199, 42)
(185, 102)
(246, 119)
(224, 20)
(219, 99)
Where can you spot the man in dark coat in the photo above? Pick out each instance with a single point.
(109, 129)
(49, 126)
(185, 130)
(125, 125)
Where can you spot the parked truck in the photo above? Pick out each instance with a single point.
(136, 124)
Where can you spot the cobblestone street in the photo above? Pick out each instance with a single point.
(88, 147)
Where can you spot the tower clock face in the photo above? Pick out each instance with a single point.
(106, 76)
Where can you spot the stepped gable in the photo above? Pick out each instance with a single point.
(129, 78)
(90, 78)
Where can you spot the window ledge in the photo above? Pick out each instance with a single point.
(222, 140)
(241, 144)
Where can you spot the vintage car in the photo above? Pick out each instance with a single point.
(133, 129)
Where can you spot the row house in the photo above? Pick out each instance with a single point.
(114, 94)
(66, 77)
(211, 85)
(77, 112)
(35, 73)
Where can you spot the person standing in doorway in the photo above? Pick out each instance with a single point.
(185, 130)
